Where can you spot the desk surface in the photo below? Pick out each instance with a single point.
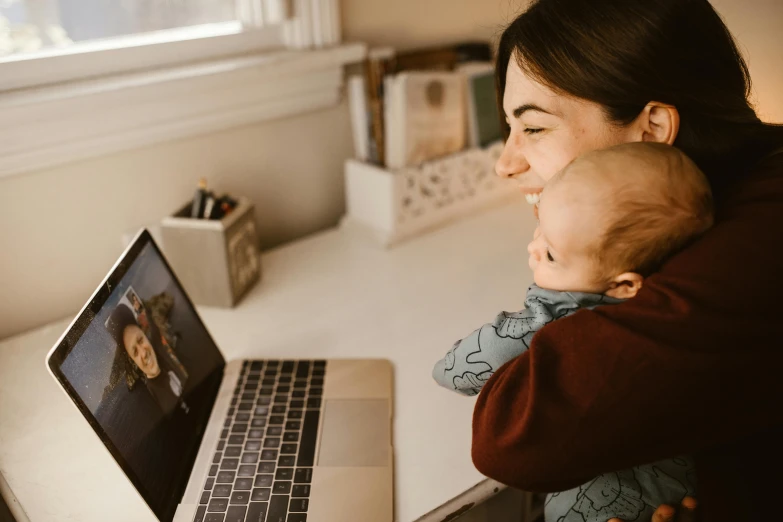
(332, 295)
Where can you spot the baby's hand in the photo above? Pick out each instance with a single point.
(471, 380)
(664, 513)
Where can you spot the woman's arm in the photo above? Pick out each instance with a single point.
(690, 363)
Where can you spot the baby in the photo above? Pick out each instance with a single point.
(606, 221)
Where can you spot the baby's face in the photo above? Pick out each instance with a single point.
(562, 255)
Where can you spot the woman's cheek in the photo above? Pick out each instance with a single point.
(554, 154)
(543, 165)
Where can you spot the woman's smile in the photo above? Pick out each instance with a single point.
(533, 198)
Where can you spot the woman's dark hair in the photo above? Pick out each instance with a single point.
(120, 318)
(623, 54)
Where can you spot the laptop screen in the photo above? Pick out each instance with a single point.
(144, 371)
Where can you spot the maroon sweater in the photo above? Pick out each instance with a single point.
(692, 365)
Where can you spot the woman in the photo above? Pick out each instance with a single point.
(690, 365)
(163, 380)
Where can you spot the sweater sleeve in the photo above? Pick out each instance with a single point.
(691, 363)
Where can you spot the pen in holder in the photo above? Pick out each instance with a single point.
(206, 205)
(217, 260)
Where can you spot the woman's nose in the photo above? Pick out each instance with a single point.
(511, 162)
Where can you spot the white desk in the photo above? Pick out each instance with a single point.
(331, 295)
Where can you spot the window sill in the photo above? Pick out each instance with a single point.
(48, 126)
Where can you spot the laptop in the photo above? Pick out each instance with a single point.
(206, 440)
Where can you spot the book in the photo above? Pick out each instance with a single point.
(483, 118)
(360, 120)
(378, 63)
(445, 58)
(425, 117)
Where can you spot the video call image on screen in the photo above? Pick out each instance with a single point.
(145, 367)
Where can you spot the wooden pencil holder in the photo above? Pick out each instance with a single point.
(217, 261)
(392, 206)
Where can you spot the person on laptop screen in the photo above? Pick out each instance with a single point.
(140, 358)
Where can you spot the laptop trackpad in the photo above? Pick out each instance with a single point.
(356, 433)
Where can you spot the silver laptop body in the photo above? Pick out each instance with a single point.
(207, 440)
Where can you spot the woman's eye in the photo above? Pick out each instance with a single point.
(532, 130)
(549, 256)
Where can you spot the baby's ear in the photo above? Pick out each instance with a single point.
(625, 286)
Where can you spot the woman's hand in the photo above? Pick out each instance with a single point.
(664, 513)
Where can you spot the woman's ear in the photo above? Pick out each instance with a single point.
(659, 123)
(625, 286)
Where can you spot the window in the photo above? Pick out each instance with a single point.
(32, 25)
(51, 41)
(83, 78)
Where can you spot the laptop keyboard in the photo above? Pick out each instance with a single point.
(263, 465)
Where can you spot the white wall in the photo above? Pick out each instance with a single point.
(407, 24)
(60, 228)
(757, 25)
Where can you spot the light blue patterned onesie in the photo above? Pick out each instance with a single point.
(632, 494)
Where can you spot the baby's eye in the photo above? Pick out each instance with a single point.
(549, 256)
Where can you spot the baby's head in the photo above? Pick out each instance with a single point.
(612, 217)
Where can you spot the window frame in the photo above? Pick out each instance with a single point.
(49, 126)
(89, 101)
(138, 52)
